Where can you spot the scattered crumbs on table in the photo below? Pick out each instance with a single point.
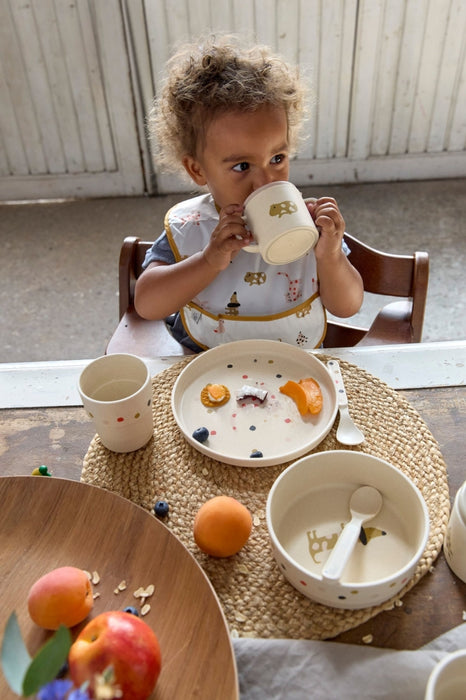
(243, 569)
(205, 471)
(368, 639)
(431, 569)
(398, 603)
(256, 520)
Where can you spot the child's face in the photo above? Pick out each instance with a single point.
(242, 152)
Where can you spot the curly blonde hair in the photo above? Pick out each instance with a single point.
(214, 76)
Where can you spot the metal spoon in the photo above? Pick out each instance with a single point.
(348, 432)
(365, 503)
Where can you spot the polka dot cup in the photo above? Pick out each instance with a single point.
(116, 391)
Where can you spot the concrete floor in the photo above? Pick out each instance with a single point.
(59, 261)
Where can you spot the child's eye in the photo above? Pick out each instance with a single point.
(241, 167)
(279, 158)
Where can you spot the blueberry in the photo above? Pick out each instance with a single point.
(161, 509)
(201, 434)
(256, 453)
(131, 610)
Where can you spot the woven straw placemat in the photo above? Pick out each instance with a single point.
(256, 599)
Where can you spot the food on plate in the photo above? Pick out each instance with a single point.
(213, 395)
(296, 392)
(201, 434)
(313, 395)
(251, 392)
(222, 526)
(306, 394)
(60, 597)
(124, 642)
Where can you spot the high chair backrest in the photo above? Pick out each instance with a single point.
(404, 276)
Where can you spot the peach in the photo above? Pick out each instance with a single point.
(61, 597)
(222, 526)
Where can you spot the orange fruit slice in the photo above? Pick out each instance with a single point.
(296, 392)
(313, 393)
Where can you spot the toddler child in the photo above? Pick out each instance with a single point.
(229, 117)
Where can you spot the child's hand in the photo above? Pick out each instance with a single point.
(228, 237)
(330, 224)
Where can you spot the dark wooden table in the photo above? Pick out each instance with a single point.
(60, 437)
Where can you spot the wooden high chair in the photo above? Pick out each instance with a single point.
(385, 274)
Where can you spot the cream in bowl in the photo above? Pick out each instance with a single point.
(307, 509)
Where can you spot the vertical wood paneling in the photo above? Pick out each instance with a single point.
(408, 71)
(388, 80)
(389, 22)
(19, 119)
(365, 77)
(265, 22)
(433, 46)
(337, 26)
(308, 60)
(37, 81)
(452, 66)
(67, 113)
(65, 128)
(287, 39)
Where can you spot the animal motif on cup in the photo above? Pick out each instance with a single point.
(281, 208)
(253, 278)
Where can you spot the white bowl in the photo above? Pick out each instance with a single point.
(308, 506)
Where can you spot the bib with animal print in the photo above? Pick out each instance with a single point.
(250, 299)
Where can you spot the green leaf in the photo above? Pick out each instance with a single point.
(15, 656)
(47, 662)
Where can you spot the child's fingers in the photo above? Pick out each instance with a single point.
(328, 216)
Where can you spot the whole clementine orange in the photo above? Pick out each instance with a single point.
(222, 526)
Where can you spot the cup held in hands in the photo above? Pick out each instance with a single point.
(280, 222)
(116, 391)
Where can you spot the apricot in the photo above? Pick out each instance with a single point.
(222, 526)
(61, 597)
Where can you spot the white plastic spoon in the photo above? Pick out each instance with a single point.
(365, 503)
(348, 432)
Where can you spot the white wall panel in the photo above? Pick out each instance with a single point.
(77, 80)
(64, 88)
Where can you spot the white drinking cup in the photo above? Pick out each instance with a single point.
(448, 679)
(454, 546)
(278, 218)
(116, 391)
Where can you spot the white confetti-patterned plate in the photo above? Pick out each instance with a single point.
(240, 429)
